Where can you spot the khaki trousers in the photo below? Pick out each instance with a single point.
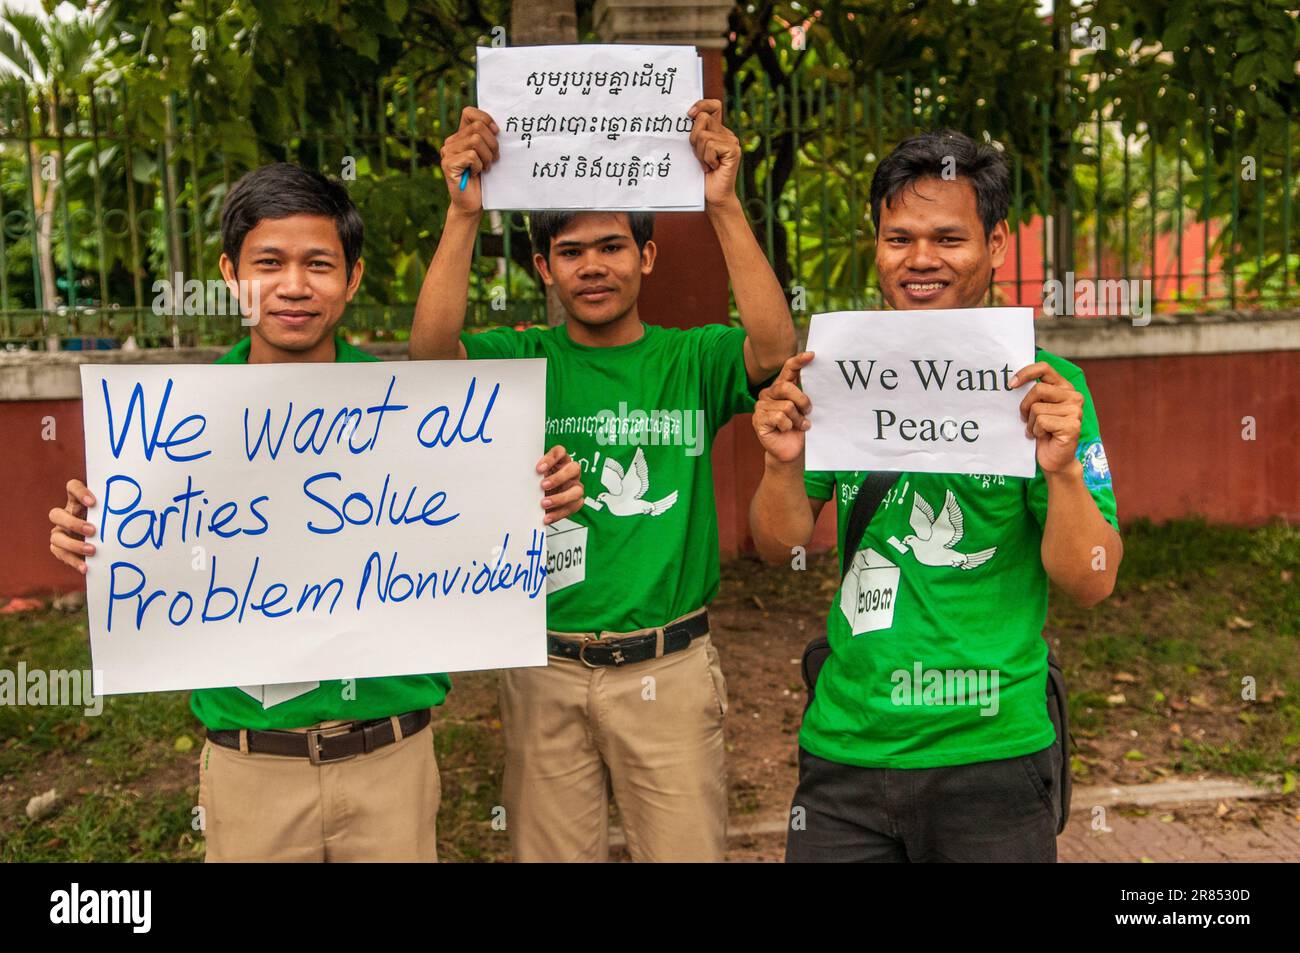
(649, 732)
(381, 806)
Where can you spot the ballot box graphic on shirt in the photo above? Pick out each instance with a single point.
(566, 554)
(869, 592)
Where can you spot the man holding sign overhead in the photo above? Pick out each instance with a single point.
(633, 698)
(927, 737)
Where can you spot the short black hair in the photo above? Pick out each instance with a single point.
(545, 225)
(281, 189)
(945, 154)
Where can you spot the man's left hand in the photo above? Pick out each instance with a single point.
(1053, 415)
(562, 491)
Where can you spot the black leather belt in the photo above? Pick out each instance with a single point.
(321, 745)
(592, 652)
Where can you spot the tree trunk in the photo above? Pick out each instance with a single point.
(46, 191)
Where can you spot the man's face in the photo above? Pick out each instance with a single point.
(931, 251)
(298, 268)
(595, 267)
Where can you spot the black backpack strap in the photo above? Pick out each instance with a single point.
(870, 495)
(1058, 709)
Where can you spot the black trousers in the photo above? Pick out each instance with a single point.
(1001, 811)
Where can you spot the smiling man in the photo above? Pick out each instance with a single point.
(316, 771)
(633, 697)
(888, 772)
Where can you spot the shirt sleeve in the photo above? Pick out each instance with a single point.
(819, 484)
(1091, 453)
(494, 343)
(721, 351)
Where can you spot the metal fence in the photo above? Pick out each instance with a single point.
(1099, 197)
(129, 193)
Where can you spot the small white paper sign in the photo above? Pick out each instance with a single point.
(869, 591)
(592, 126)
(273, 526)
(566, 554)
(919, 391)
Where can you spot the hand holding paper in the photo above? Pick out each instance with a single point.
(471, 148)
(1053, 413)
(782, 411)
(718, 150)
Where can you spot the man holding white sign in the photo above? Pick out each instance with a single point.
(927, 737)
(335, 769)
(633, 698)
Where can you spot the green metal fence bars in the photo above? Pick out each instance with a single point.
(107, 191)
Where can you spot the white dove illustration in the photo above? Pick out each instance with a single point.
(934, 540)
(626, 489)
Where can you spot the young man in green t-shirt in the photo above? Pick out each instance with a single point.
(928, 736)
(315, 771)
(633, 697)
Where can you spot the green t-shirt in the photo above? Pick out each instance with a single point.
(640, 420)
(357, 700)
(947, 597)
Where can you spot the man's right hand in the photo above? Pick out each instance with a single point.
(473, 146)
(70, 530)
(781, 413)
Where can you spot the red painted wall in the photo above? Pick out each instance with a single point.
(1172, 428)
(1166, 266)
(34, 473)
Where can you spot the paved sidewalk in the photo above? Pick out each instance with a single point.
(1186, 821)
(1198, 837)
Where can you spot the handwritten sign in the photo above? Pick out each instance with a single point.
(592, 127)
(284, 523)
(919, 391)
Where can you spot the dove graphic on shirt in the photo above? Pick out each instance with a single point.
(935, 538)
(625, 490)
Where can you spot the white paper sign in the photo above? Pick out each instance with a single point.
(295, 523)
(592, 127)
(919, 391)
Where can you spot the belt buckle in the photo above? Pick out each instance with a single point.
(314, 736)
(616, 654)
